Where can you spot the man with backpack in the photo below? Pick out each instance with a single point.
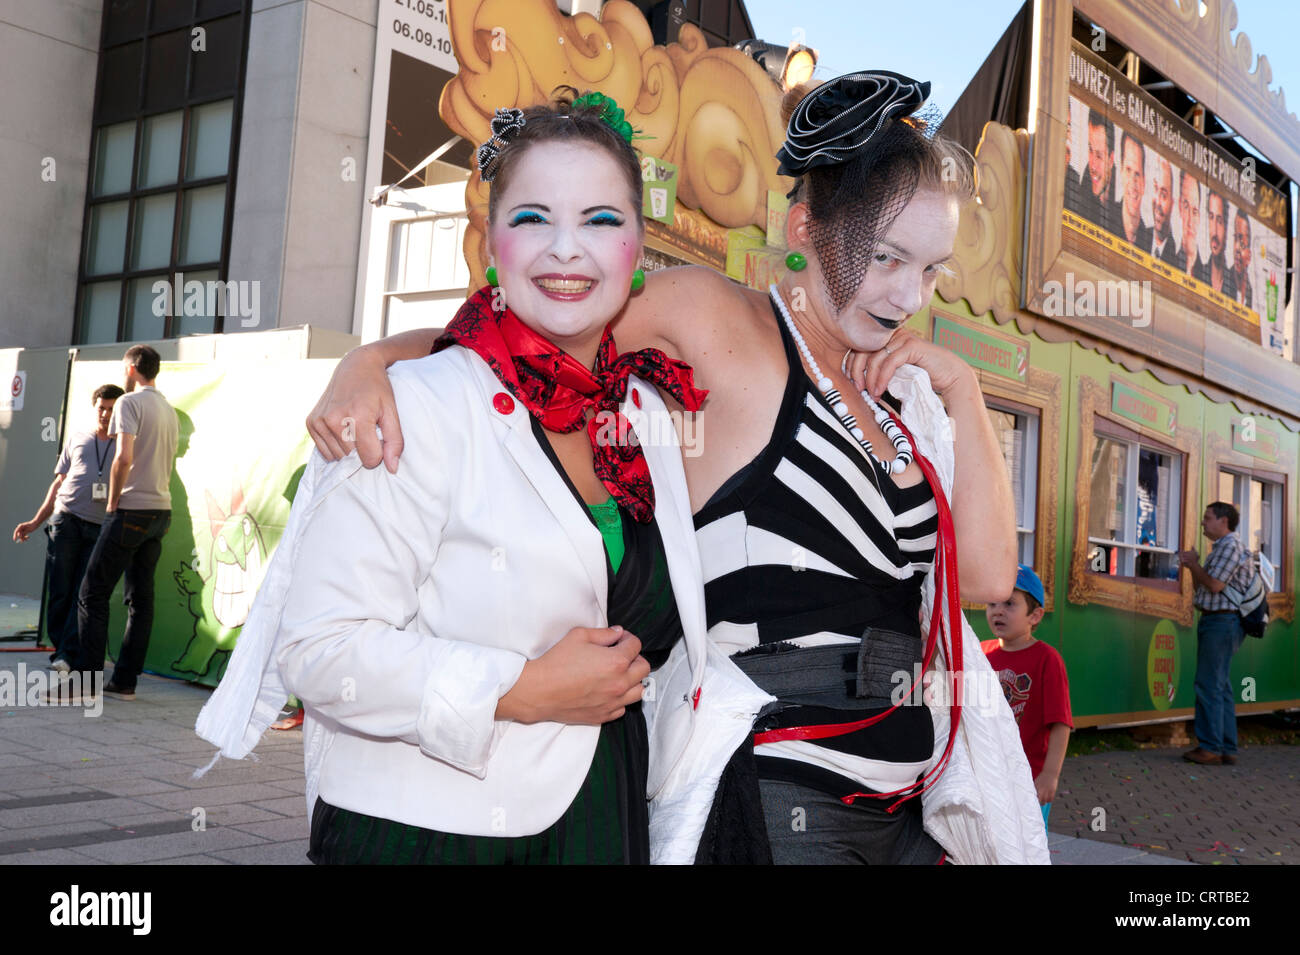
(1218, 634)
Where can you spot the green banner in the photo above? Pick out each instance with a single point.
(1262, 443)
(986, 352)
(1145, 409)
(242, 450)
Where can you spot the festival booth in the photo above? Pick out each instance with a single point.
(1122, 288)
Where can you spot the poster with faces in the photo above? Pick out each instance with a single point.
(1117, 180)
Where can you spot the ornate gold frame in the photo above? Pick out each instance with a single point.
(1126, 593)
(1041, 391)
(1197, 53)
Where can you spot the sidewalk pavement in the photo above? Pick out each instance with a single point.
(117, 789)
(1152, 801)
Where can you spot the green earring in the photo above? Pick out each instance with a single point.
(492, 275)
(796, 262)
(638, 280)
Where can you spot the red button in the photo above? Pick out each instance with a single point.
(503, 403)
(636, 397)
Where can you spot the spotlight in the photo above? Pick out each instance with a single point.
(788, 66)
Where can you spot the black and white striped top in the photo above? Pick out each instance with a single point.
(808, 546)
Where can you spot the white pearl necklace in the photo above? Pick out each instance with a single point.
(902, 446)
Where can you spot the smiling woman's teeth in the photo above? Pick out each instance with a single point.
(564, 285)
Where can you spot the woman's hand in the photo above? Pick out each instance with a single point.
(872, 370)
(983, 507)
(358, 398)
(588, 678)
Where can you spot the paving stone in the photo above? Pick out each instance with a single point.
(170, 846)
(256, 793)
(135, 787)
(188, 860)
(48, 857)
(70, 812)
(278, 830)
(274, 853)
(286, 806)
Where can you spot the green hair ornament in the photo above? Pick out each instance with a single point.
(610, 113)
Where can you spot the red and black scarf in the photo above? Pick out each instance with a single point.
(558, 391)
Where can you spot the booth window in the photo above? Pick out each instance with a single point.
(1259, 502)
(160, 194)
(1134, 506)
(1017, 433)
(427, 274)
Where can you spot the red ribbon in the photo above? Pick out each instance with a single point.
(946, 584)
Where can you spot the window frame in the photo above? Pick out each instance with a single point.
(1242, 504)
(1039, 395)
(1028, 512)
(1222, 456)
(1154, 597)
(1136, 442)
(178, 188)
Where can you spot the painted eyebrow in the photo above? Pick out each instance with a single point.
(545, 208)
(904, 254)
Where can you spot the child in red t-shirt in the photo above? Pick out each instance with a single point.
(1034, 682)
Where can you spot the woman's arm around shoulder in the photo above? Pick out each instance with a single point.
(685, 311)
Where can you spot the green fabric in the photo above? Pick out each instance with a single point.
(610, 524)
(590, 832)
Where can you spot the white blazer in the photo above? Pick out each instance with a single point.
(416, 598)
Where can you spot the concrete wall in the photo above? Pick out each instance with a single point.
(48, 58)
(29, 446)
(297, 220)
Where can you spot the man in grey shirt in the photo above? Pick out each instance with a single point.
(76, 498)
(138, 515)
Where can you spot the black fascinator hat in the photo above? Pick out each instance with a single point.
(840, 117)
(860, 150)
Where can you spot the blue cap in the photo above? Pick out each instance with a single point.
(1028, 581)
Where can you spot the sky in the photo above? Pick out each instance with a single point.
(946, 41)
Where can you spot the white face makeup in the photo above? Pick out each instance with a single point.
(565, 242)
(901, 277)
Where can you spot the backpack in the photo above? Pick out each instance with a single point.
(1252, 604)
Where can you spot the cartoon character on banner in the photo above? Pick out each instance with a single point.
(221, 588)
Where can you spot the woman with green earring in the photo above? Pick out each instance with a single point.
(471, 660)
(833, 502)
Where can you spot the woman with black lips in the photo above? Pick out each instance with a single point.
(819, 514)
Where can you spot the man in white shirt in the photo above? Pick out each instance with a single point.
(76, 498)
(137, 516)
